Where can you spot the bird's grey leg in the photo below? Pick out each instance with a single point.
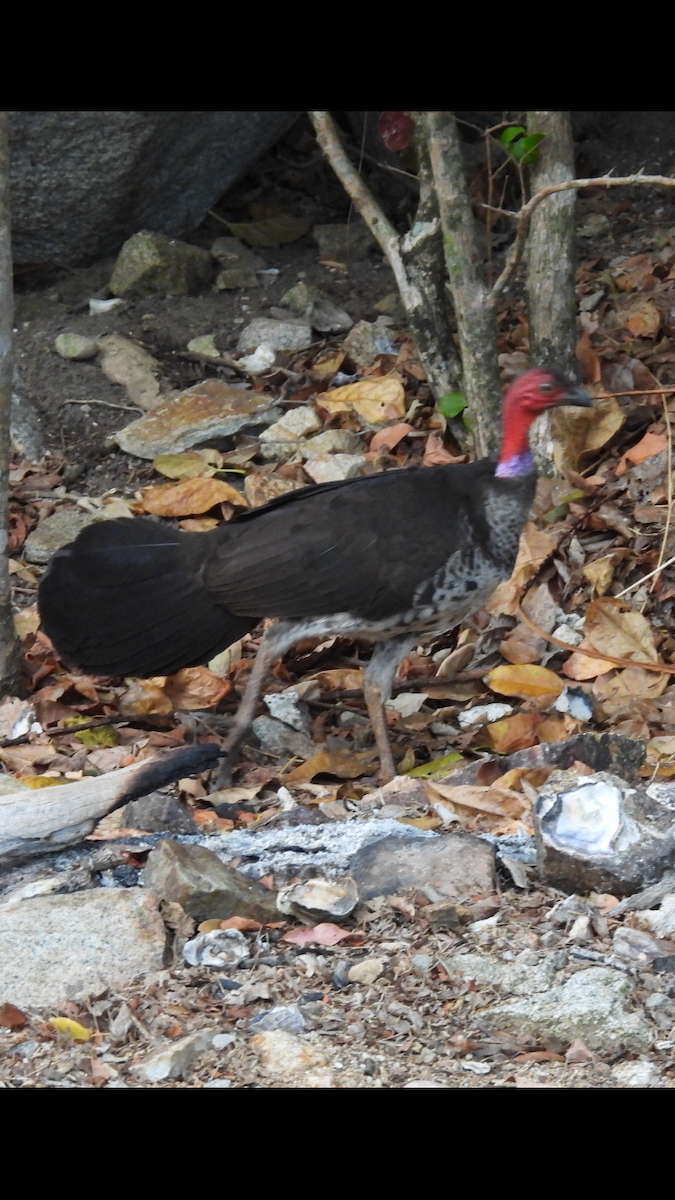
(275, 642)
(377, 686)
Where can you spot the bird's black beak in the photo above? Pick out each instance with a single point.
(576, 397)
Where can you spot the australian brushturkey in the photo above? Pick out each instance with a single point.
(386, 557)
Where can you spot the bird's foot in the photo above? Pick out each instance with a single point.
(221, 776)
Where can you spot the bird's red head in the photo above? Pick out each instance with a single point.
(526, 398)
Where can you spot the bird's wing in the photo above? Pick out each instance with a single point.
(363, 546)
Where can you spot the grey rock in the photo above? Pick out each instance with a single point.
(636, 947)
(317, 899)
(350, 242)
(592, 1006)
(453, 864)
(151, 262)
(638, 1074)
(54, 532)
(288, 707)
(208, 410)
(221, 1041)
(173, 1061)
(328, 468)
(595, 833)
(326, 317)
(277, 738)
(204, 886)
(331, 441)
(300, 296)
(159, 813)
(282, 1016)
(221, 948)
(56, 947)
(239, 265)
(218, 1083)
(75, 346)
(278, 335)
(127, 363)
(123, 171)
(368, 339)
(529, 972)
(282, 440)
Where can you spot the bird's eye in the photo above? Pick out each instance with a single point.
(545, 387)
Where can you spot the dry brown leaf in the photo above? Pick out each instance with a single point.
(334, 762)
(650, 444)
(578, 431)
(341, 679)
(142, 697)
(19, 758)
(192, 496)
(588, 359)
(514, 733)
(536, 545)
(12, 1017)
(198, 524)
(390, 437)
(615, 692)
(611, 627)
(375, 400)
(556, 729)
(326, 365)
(499, 801)
(600, 573)
(642, 317)
(524, 680)
(196, 687)
(435, 454)
(325, 934)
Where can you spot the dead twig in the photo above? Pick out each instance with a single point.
(661, 668)
(107, 404)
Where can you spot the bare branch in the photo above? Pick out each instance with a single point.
(516, 252)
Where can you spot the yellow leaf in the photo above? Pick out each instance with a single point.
(375, 400)
(421, 822)
(40, 781)
(600, 573)
(72, 1029)
(524, 679)
(26, 621)
(326, 365)
(183, 466)
(189, 497)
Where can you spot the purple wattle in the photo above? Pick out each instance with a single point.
(520, 464)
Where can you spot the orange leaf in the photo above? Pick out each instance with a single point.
(12, 1017)
(388, 438)
(189, 497)
(650, 444)
(196, 687)
(143, 696)
(524, 679)
(514, 733)
(243, 924)
(325, 934)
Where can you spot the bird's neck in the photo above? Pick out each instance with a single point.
(515, 458)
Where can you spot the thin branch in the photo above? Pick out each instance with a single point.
(382, 230)
(590, 652)
(657, 571)
(516, 252)
(669, 514)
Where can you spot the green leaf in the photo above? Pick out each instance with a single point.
(525, 150)
(509, 135)
(105, 735)
(437, 766)
(272, 231)
(452, 404)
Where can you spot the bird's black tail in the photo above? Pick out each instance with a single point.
(126, 598)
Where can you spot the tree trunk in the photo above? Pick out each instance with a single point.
(475, 316)
(9, 659)
(550, 265)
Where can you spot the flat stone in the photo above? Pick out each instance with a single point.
(75, 346)
(208, 410)
(282, 1016)
(316, 900)
(279, 335)
(366, 971)
(332, 441)
(151, 262)
(54, 532)
(239, 265)
(204, 886)
(280, 440)
(127, 363)
(260, 489)
(53, 948)
(285, 1054)
(279, 739)
(159, 813)
(638, 1074)
(328, 468)
(528, 973)
(174, 1060)
(596, 833)
(348, 242)
(204, 346)
(367, 340)
(452, 864)
(288, 707)
(591, 1006)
